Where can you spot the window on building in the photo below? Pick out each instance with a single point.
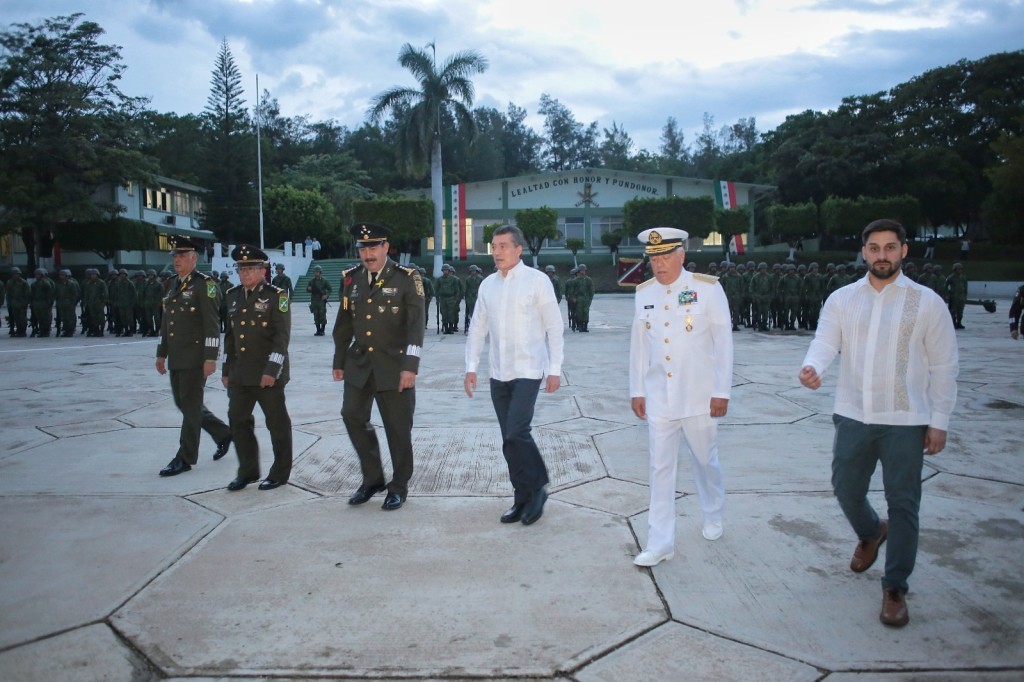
(571, 227)
(158, 199)
(181, 203)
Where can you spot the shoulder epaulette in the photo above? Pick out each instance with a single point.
(203, 275)
(237, 286)
(646, 284)
(406, 269)
(275, 289)
(710, 279)
(346, 273)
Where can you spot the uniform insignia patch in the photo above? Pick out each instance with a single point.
(211, 290)
(282, 303)
(688, 297)
(390, 291)
(418, 281)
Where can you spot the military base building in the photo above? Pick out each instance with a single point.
(589, 203)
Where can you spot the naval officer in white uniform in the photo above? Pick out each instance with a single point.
(680, 378)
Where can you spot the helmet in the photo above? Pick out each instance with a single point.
(813, 266)
(762, 266)
(317, 268)
(549, 268)
(122, 271)
(279, 266)
(151, 273)
(15, 270)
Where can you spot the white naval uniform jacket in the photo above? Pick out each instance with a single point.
(680, 350)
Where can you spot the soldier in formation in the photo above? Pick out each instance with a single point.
(556, 283)
(570, 297)
(18, 296)
(471, 286)
(68, 294)
(583, 294)
(428, 294)
(319, 294)
(42, 295)
(449, 291)
(94, 303)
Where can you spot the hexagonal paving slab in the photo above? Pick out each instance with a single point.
(68, 560)
(474, 597)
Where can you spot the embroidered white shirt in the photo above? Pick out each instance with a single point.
(519, 313)
(898, 353)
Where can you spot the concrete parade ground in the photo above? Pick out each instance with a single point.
(109, 572)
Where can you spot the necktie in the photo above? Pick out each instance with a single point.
(373, 279)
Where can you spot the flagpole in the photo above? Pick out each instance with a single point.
(259, 160)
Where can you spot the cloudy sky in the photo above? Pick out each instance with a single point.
(632, 62)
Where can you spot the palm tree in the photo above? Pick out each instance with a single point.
(448, 90)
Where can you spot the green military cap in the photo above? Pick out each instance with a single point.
(247, 255)
(181, 245)
(368, 234)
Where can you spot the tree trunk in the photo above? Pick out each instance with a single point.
(28, 237)
(436, 194)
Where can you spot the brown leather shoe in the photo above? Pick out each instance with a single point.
(894, 609)
(867, 550)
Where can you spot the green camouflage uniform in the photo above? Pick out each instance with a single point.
(94, 303)
(43, 294)
(449, 293)
(68, 295)
(319, 293)
(18, 295)
(584, 294)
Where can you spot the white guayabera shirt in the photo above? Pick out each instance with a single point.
(899, 359)
(521, 316)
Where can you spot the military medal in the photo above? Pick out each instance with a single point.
(689, 323)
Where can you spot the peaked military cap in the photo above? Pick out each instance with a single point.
(180, 245)
(368, 234)
(247, 254)
(658, 240)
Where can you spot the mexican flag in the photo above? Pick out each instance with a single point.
(725, 194)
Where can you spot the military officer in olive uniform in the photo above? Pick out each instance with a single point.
(378, 339)
(256, 368)
(44, 293)
(189, 346)
(428, 291)
(319, 293)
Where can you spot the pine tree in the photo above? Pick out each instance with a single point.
(230, 169)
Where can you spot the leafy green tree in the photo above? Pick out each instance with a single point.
(569, 144)
(176, 142)
(616, 149)
(730, 223)
(338, 178)
(574, 245)
(797, 221)
(106, 237)
(409, 220)
(1004, 208)
(522, 145)
(447, 89)
(612, 239)
(66, 129)
(292, 213)
(675, 154)
(696, 215)
(537, 225)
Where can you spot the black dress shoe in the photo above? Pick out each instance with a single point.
(534, 509)
(270, 484)
(240, 482)
(393, 501)
(222, 448)
(175, 467)
(364, 492)
(513, 513)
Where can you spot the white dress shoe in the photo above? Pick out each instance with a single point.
(712, 530)
(649, 558)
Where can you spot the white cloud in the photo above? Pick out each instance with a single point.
(635, 63)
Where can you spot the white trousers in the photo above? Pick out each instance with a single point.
(664, 435)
